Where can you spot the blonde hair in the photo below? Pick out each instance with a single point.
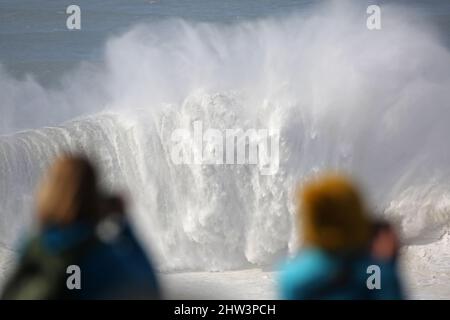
(332, 214)
(68, 192)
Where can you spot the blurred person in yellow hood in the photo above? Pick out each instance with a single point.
(336, 261)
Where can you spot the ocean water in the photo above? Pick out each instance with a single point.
(374, 104)
(34, 37)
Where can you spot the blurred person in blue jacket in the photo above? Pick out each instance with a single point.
(80, 231)
(344, 252)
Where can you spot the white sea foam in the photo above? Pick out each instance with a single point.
(371, 103)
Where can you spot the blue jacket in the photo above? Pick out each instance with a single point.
(316, 274)
(117, 269)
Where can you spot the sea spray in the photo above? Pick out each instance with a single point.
(371, 103)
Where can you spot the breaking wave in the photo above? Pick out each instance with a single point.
(371, 103)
